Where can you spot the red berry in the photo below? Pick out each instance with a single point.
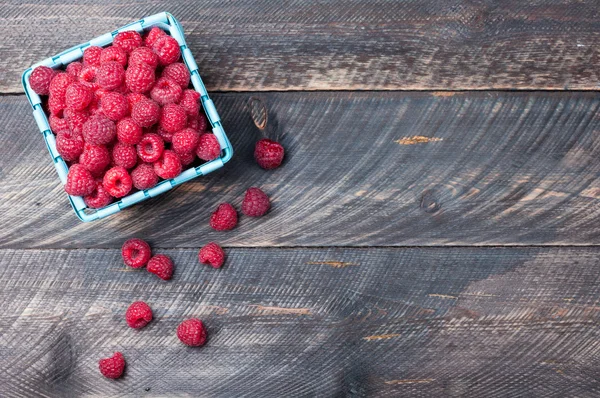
(88, 77)
(256, 203)
(113, 54)
(56, 105)
(110, 75)
(40, 79)
(143, 55)
(91, 55)
(76, 119)
(78, 96)
(167, 50)
(150, 148)
(99, 198)
(186, 158)
(95, 158)
(185, 140)
(114, 105)
(224, 218)
(99, 130)
(166, 91)
(69, 145)
(127, 41)
(144, 177)
(145, 112)
(212, 254)
(139, 77)
(192, 332)
(136, 253)
(117, 182)
(112, 367)
(165, 135)
(124, 155)
(190, 101)
(74, 69)
(128, 131)
(57, 123)
(179, 73)
(134, 98)
(138, 315)
(161, 266)
(154, 34)
(168, 166)
(59, 84)
(173, 118)
(268, 154)
(208, 148)
(79, 181)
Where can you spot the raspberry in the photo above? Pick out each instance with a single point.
(76, 119)
(145, 112)
(117, 182)
(127, 41)
(94, 107)
(40, 79)
(91, 55)
(88, 77)
(99, 198)
(56, 105)
(99, 130)
(69, 145)
(268, 154)
(113, 54)
(186, 158)
(161, 266)
(79, 181)
(74, 69)
(192, 332)
(95, 158)
(150, 148)
(179, 73)
(190, 101)
(128, 131)
(110, 75)
(143, 55)
(256, 203)
(78, 96)
(165, 91)
(208, 148)
(154, 34)
(166, 136)
(57, 123)
(114, 105)
(136, 253)
(134, 98)
(124, 155)
(139, 77)
(112, 367)
(185, 140)
(138, 315)
(168, 166)
(173, 118)
(122, 89)
(167, 50)
(144, 177)
(224, 218)
(59, 84)
(212, 254)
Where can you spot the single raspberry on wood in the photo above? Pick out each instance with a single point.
(212, 254)
(76, 119)
(138, 315)
(256, 203)
(190, 101)
(69, 145)
(268, 154)
(80, 181)
(150, 148)
(139, 77)
(113, 54)
(124, 155)
(173, 118)
(168, 165)
(167, 49)
(112, 367)
(127, 41)
(99, 130)
(78, 96)
(145, 112)
(99, 198)
(114, 105)
(88, 77)
(185, 140)
(186, 158)
(110, 75)
(143, 55)
(136, 253)
(128, 131)
(40, 79)
(192, 332)
(161, 266)
(95, 158)
(91, 55)
(208, 147)
(74, 69)
(117, 182)
(224, 218)
(154, 34)
(179, 73)
(144, 177)
(166, 91)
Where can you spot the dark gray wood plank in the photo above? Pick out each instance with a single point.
(493, 169)
(477, 322)
(249, 45)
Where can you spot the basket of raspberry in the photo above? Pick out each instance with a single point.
(126, 116)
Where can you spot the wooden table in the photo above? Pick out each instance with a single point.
(434, 228)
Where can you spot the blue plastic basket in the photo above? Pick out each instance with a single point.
(169, 24)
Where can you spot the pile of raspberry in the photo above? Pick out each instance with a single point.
(124, 117)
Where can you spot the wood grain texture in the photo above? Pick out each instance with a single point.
(422, 322)
(249, 45)
(504, 168)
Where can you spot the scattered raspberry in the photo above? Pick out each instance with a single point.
(224, 218)
(110, 75)
(99, 198)
(268, 154)
(124, 155)
(212, 254)
(128, 131)
(99, 130)
(56, 105)
(134, 98)
(139, 77)
(69, 145)
(179, 73)
(112, 367)
(192, 332)
(150, 148)
(95, 158)
(88, 75)
(165, 135)
(127, 41)
(167, 49)
(144, 177)
(114, 105)
(143, 55)
(168, 166)
(186, 158)
(256, 203)
(91, 55)
(79, 181)
(76, 119)
(74, 69)
(59, 84)
(78, 96)
(173, 118)
(117, 182)
(145, 112)
(40, 79)
(166, 91)
(136, 253)
(185, 140)
(113, 54)
(208, 148)
(57, 123)
(190, 101)
(154, 34)
(161, 266)
(138, 315)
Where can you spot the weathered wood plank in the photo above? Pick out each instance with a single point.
(477, 322)
(249, 45)
(499, 168)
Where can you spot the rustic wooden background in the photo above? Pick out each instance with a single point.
(434, 227)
